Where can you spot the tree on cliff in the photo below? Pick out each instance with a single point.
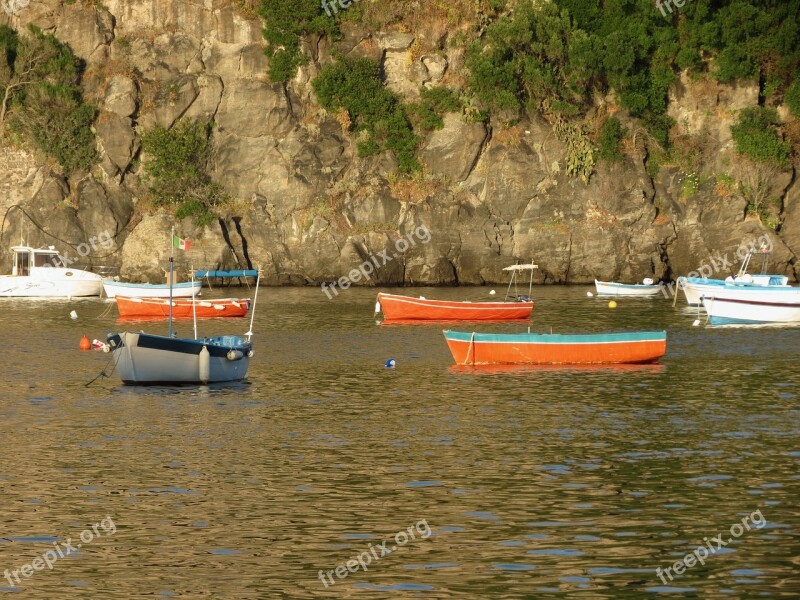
(41, 100)
(176, 168)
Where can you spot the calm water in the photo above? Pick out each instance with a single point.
(531, 482)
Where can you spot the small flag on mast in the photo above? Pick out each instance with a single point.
(180, 244)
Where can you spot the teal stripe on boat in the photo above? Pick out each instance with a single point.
(557, 338)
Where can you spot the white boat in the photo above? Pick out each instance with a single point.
(645, 289)
(144, 358)
(184, 289)
(694, 288)
(723, 309)
(40, 272)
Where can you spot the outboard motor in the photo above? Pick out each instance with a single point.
(523, 298)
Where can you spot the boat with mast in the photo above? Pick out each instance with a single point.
(146, 359)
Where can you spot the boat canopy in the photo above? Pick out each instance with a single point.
(528, 267)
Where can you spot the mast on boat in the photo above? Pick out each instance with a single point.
(249, 333)
(171, 261)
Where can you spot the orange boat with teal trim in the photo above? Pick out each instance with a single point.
(406, 308)
(158, 308)
(635, 347)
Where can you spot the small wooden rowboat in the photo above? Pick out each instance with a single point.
(636, 347)
(181, 307)
(610, 288)
(184, 289)
(406, 308)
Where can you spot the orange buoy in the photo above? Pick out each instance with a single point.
(85, 343)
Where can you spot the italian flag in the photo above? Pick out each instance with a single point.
(180, 244)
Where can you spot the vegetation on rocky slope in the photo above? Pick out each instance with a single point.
(551, 58)
(41, 100)
(176, 170)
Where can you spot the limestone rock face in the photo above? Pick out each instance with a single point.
(307, 209)
(453, 150)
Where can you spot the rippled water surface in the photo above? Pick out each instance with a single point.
(527, 482)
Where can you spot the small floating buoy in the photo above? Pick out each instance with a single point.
(73, 315)
(85, 344)
(589, 294)
(99, 345)
(377, 307)
(612, 304)
(390, 364)
(696, 323)
(492, 293)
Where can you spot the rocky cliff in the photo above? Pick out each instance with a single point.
(310, 210)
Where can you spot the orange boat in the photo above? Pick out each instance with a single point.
(181, 307)
(405, 308)
(635, 347)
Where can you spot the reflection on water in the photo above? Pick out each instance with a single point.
(533, 480)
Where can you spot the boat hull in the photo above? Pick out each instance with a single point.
(550, 349)
(694, 288)
(145, 359)
(723, 310)
(51, 283)
(182, 308)
(406, 308)
(609, 288)
(184, 289)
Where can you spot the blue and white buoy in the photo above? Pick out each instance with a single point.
(390, 364)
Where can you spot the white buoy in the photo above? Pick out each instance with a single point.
(590, 294)
(377, 307)
(492, 293)
(73, 315)
(204, 363)
(696, 322)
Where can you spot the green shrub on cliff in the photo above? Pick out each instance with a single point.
(355, 85)
(611, 134)
(176, 170)
(40, 98)
(792, 97)
(756, 136)
(285, 21)
(433, 103)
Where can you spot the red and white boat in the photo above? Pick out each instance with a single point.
(181, 307)
(407, 308)
(635, 347)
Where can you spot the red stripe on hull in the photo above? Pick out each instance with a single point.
(405, 308)
(492, 353)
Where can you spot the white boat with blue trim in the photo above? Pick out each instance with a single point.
(694, 288)
(724, 309)
(645, 289)
(184, 289)
(44, 273)
(146, 359)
